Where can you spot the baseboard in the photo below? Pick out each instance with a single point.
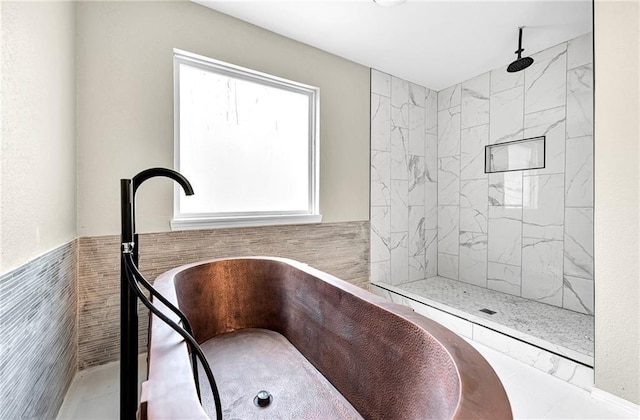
(608, 397)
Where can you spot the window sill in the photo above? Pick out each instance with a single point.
(249, 221)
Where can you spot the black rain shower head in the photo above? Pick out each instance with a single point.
(521, 63)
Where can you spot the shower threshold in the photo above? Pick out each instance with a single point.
(477, 312)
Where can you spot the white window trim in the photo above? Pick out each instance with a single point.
(205, 221)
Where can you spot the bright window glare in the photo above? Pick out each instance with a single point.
(243, 145)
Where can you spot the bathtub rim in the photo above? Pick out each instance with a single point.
(471, 400)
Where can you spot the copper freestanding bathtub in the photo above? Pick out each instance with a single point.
(323, 348)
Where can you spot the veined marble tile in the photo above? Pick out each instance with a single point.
(505, 235)
(449, 97)
(417, 267)
(448, 229)
(417, 94)
(416, 130)
(380, 83)
(578, 242)
(380, 234)
(474, 205)
(380, 178)
(543, 206)
(504, 278)
(502, 80)
(431, 253)
(546, 81)
(505, 189)
(579, 172)
(507, 115)
(380, 123)
(454, 323)
(472, 143)
(399, 206)
(449, 181)
(542, 270)
(580, 51)
(549, 54)
(475, 101)
(417, 241)
(580, 101)
(399, 258)
(381, 271)
(578, 295)
(379, 291)
(416, 180)
(551, 124)
(431, 158)
(449, 132)
(543, 360)
(431, 111)
(473, 258)
(448, 266)
(431, 205)
(399, 149)
(399, 102)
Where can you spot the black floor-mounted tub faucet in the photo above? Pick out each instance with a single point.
(130, 292)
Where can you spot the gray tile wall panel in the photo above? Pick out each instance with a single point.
(38, 308)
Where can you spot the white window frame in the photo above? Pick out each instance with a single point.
(186, 221)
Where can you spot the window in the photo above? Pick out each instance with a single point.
(248, 142)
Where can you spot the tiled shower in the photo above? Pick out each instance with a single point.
(434, 210)
(403, 180)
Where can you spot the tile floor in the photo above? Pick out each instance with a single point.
(533, 394)
(523, 318)
(94, 392)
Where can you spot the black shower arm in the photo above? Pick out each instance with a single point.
(520, 49)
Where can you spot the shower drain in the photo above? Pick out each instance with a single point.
(487, 311)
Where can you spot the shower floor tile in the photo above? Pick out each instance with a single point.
(557, 330)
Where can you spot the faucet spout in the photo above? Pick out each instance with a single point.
(169, 173)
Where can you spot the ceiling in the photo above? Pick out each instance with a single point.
(433, 43)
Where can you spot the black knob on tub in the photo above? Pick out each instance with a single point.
(263, 399)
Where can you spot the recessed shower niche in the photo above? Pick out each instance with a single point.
(515, 155)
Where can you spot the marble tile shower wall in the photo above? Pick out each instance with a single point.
(527, 233)
(404, 223)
